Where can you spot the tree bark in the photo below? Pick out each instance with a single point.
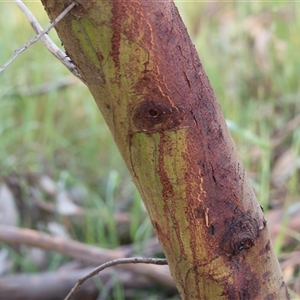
(144, 73)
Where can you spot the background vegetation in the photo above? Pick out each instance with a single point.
(51, 129)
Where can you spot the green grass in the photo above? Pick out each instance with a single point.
(63, 134)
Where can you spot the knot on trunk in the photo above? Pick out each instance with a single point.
(241, 235)
(150, 116)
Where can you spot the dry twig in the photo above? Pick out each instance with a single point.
(133, 260)
(37, 37)
(60, 282)
(50, 45)
(80, 251)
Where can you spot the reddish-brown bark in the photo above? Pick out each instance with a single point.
(145, 75)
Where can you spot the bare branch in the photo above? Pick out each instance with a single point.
(133, 260)
(80, 251)
(57, 284)
(50, 45)
(37, 37)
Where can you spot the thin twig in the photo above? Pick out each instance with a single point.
(133, 260)
(37, 37)
(50, 45)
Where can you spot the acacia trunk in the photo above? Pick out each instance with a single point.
(138, 62)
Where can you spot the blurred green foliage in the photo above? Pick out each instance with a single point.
(250, 51)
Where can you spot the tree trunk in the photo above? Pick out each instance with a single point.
(144, 73)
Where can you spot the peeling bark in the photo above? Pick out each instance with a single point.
(145, 75)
